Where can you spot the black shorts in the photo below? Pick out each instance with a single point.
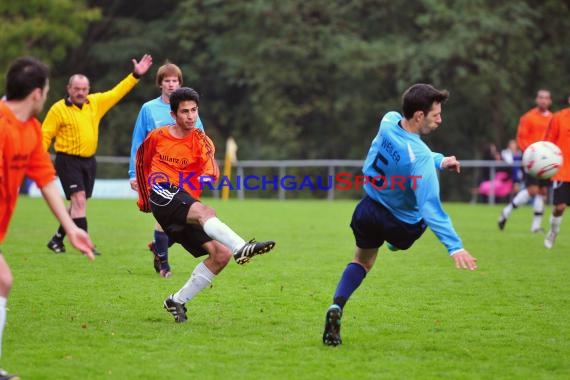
(533, 181)
(561, 193)
(76, 173)
(170, 207)
(372, 224)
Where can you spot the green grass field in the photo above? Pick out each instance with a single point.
(414, 317)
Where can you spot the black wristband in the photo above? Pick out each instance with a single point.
(137, 76)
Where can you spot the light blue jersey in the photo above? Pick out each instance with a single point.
(153, 114)
(405, 179)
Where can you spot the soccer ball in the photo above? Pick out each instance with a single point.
(542, 159)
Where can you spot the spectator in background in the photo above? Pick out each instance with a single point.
(558, 133)
(532, 128)
(74, 123)
(495, 185)
(490, 153)
(22, 153)
(513, 156)
(153, 114)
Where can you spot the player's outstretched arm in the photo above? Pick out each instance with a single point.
(78, 237)
(464, 260)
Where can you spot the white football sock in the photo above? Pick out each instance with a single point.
(521, 198)
(538, 206)
(200, 278)
(507, 210)
(2, 319)
(218, 230)
(555, 222)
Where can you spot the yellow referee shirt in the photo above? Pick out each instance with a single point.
(76, 130)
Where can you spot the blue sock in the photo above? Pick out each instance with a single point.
(351, 279)
(161, 245)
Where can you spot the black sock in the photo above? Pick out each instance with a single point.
(60, 234)
(81, 223)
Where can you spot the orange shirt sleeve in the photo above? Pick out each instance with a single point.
(558, 132)
(21, 153)
(40, 168)
(143, 166)
(210, 166)
(524, 132)
(553, 129)
(3, 142)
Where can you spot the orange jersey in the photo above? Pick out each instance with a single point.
(22, 155)
(558, 132)
(532, 127)
(163, 158)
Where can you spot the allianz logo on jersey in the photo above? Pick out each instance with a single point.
(182, 162)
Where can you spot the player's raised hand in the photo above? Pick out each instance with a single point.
(464, 260)
(141, 67)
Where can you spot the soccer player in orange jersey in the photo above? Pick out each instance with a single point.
(22, 153)
(172, 164)
(558, 132)
(532, 127)
(153, 114)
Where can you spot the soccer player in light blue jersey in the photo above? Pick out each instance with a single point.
(153, 114)
(401, 197)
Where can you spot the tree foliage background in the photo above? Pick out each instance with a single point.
(307, 78)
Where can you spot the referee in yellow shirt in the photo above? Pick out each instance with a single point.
(74, 124)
